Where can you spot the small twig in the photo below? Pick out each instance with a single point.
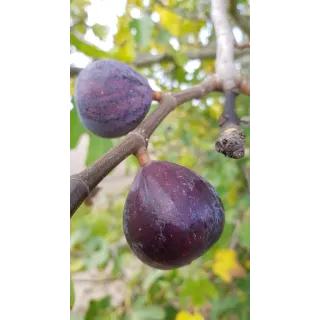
(244, 45)
(225, 67)
(231, 140)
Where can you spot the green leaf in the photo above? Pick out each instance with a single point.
(97, 308)
(76, 128)
(163, 37)
(144, 27)
(97, 147)
(87, 48)
(100, 31)
(151, 278)
(148, 313)
(78, 236)
(97, 249)
(223, 305)
(199, 290)
(244, 235)
(76, 316)
(178, 57)
(72, 294)
(81, 28)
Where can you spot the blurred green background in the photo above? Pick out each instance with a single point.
(172, 43)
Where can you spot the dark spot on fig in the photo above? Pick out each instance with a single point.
(183, 211)
(111, 98)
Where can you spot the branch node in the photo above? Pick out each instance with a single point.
(142, 138)
(231, 142)
(175, 103)
(83, 183)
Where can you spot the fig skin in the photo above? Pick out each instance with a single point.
(172, 215)
(111, 98)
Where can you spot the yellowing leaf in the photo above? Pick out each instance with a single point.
(124, 40)
(233, 193)
(196, 140)
(126, 52)
(216, 110)
(76, 265)
(175, 24)
(227, 266)
(169, 20)
(208, 66)
(187, 159)
(182, 315)
(72, 81)
(247, 264)
(137, 3)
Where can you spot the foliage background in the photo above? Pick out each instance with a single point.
(110, 283)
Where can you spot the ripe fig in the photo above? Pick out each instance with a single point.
(111, 98)
(172, 215)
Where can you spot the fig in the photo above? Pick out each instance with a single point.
(172, 215)
(111, 98)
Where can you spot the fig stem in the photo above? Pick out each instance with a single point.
(142, 156)
(156, 95)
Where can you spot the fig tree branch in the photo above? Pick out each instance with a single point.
(82, 183)
(147, 59)
(232, 138)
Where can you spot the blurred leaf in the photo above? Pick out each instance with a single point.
(198, 290)
(169, 20)
(151, 278)
(183, 315)
(177, 25)
(227, 266)
(222, 305)
(97, 250)
(80, 28)
(124, 40)
(100, 31)
(87, 48)
(72, 84)
(163, 37)
(178, 57)
(97, 147)
(144, 27)
(76, 265)
(138, 3)
(76, 316)
(244, 234)
(78, 236)
(216, 110)
(97, 308)
(148, 313)
(76, 128)
(171, 313)
(72, 294)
